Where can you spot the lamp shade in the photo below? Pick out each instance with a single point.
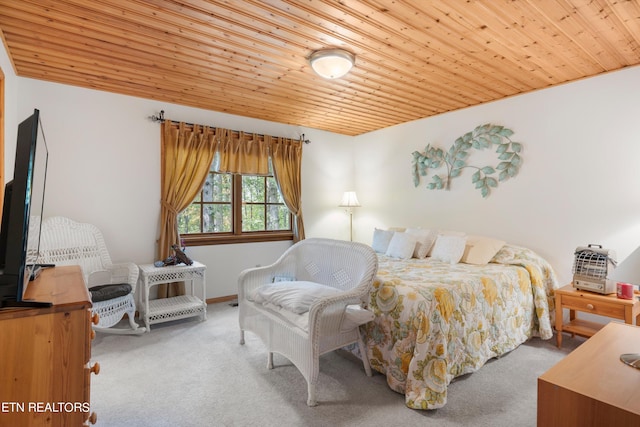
(331, 63)
(349, 200)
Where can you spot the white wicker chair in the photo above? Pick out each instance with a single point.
(66, 242)
(347, 266)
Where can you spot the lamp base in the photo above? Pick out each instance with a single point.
(631, 359)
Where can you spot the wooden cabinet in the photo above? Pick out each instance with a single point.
(576, 300)
(591, 387)
(45, 368)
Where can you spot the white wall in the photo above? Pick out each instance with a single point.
(104, 168)
(9, 111)
(579, 182)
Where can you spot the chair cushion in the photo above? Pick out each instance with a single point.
(107, 292)
(354, 316)
(295, 296)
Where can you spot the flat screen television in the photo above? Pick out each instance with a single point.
(22, 214)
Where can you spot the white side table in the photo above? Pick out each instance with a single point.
(180, 307)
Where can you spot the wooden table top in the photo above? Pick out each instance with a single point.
(595, 370)
(62, 286)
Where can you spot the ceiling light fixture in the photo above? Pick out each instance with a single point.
(332, 63)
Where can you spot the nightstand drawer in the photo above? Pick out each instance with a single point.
(600, 308)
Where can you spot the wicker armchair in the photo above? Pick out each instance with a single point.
(66, 242)
(331, 322)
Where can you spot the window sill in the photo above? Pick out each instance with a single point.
(225, 239)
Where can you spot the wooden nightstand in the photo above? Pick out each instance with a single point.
(594, 303)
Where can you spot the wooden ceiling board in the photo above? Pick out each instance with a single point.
(414, 58)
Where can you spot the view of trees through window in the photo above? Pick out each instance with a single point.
(256, 200)
(262, 205)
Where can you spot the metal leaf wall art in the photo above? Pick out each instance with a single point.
(457, 158)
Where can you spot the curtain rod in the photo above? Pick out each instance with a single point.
(160, 118)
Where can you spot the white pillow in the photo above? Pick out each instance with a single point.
(401, 246)
(381, 239)
(449, 248)
(296, 296)
(425, 239)
(446, 233)
(480, 250)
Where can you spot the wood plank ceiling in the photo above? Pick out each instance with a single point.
(414, 58)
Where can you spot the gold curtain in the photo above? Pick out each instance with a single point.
(286, 159)
(186, 156)
(245, 155)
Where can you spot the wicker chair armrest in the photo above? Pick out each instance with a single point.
(252, 278)
(116, 273)
(327, 314)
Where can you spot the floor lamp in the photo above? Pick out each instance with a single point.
(350, 201)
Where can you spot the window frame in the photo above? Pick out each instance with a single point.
(237, 235)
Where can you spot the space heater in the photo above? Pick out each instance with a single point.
(591, 269)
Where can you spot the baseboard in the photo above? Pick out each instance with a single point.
(222, 299)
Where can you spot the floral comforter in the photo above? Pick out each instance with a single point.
(436, 321)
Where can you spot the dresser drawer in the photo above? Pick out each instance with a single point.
(601, 308)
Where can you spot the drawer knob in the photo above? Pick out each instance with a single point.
(95, 318)
(95, 368)
(590, 306)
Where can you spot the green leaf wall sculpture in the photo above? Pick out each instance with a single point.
(456, 159)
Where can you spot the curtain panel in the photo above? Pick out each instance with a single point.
(286, 159)
(186, 156)
(246, 155)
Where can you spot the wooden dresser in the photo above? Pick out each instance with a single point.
(44, 354)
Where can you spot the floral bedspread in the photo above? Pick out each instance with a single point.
(436, 321)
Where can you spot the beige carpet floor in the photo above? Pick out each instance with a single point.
(193, 373)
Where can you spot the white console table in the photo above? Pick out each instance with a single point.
(173, 308)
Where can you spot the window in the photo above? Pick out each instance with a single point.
(236, 208)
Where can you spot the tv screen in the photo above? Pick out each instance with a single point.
(22, 213)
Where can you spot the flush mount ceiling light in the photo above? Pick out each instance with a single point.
(331, 63)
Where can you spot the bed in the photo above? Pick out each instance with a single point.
(436, 320)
